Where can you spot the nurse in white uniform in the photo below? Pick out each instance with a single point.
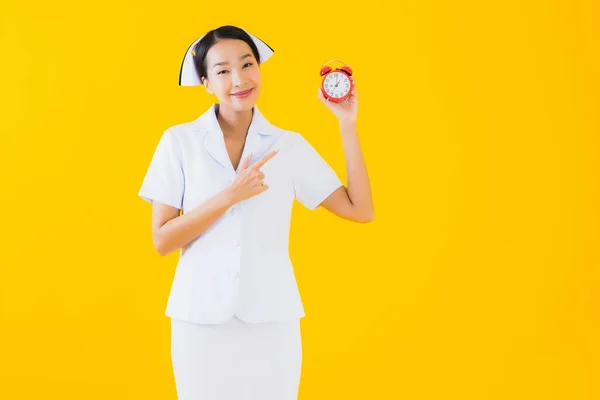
(221, 188)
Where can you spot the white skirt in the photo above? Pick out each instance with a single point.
(236, 360)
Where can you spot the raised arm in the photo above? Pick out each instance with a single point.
(354, 201)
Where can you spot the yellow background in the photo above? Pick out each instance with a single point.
(479, 123)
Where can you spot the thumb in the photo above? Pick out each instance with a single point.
(246, 161)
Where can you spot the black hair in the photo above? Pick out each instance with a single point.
(212, 37)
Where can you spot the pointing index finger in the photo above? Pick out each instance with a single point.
(266, 158)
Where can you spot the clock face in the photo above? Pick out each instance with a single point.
(336, 84)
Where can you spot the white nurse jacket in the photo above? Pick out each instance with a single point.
(240, 265)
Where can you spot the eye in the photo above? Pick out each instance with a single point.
(220, 72)
(249, 63)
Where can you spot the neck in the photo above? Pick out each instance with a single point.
(233, 123)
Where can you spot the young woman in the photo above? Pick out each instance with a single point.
(221, 189)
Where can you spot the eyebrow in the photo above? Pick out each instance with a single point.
(225, 62)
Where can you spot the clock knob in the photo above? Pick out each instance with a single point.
(325, 70)
(347, 70)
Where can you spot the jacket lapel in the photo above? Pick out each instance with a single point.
(259, 138)
(213, 141)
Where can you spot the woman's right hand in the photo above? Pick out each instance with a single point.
(249, 180)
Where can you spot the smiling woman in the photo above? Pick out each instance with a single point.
(227, 74)
(234, 304)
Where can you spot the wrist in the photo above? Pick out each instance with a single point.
(228, 197)
(347, 122)
(347, 126)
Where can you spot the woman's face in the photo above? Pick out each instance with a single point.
(232, 69)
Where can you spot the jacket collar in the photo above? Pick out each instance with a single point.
(261, 134)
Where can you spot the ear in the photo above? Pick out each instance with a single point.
(206, 84)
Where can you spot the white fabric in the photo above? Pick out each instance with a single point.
(240, 265)
(236, 361)
(188, 75)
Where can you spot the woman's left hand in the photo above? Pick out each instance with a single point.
(347, 110)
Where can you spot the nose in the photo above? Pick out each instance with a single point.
(236, 78)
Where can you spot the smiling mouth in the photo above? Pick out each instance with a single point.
(243, 93)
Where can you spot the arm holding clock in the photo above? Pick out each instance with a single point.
(355, 201)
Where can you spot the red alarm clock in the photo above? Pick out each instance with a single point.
(337, 83)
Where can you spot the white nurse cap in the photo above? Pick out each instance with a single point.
(188, 75)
